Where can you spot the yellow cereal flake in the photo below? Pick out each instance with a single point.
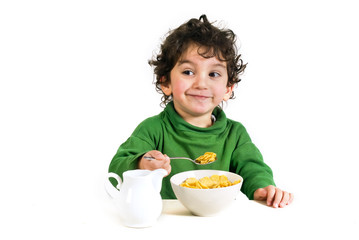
(207, 158)
(214, 181)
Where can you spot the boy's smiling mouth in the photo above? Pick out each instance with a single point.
(199, 96)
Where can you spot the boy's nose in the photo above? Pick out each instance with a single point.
(200, 81)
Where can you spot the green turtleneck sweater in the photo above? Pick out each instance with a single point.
(168, 133)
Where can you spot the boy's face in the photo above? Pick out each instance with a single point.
(197, 86)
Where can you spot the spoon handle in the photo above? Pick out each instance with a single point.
(194, 161)
(152, 158)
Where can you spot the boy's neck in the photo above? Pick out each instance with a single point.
(204, 121)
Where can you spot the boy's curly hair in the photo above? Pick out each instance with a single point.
(216, 42)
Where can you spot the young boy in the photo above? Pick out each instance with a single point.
(196, 70)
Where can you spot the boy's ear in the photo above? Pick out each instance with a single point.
(166, 87)
(228, 93)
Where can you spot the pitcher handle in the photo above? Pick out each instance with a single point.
(110, 189)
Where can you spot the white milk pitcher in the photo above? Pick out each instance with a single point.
(139, 199)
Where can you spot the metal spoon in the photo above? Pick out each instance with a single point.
(194, 161)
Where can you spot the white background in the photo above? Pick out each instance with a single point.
(75, 82)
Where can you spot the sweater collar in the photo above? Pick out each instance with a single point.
(178, 122)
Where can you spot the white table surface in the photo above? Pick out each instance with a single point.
(93, 214)
(98, 218)
(68, 209)
(83, 213)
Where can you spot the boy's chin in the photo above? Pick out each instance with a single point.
(198, 109)
(199, 112)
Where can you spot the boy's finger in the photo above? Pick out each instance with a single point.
(285, 199)
(153, 164)
(167, 158)
(157, 155)
(278, 197)
(291, 198)
(168, 168)
(167, 164)
(270, 195)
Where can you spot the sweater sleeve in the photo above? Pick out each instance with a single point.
(248, 163)
(141, 141)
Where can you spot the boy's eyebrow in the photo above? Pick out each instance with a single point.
(183, 61)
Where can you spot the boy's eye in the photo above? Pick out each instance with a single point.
(214, 74)
(188, 72)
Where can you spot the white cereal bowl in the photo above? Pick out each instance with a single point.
(205, 202)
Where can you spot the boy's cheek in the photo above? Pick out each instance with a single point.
(179, 88)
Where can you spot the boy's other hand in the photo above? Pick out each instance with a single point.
(161, 161)
(274, 196)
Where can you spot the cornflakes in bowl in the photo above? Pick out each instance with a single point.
(206, 192)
